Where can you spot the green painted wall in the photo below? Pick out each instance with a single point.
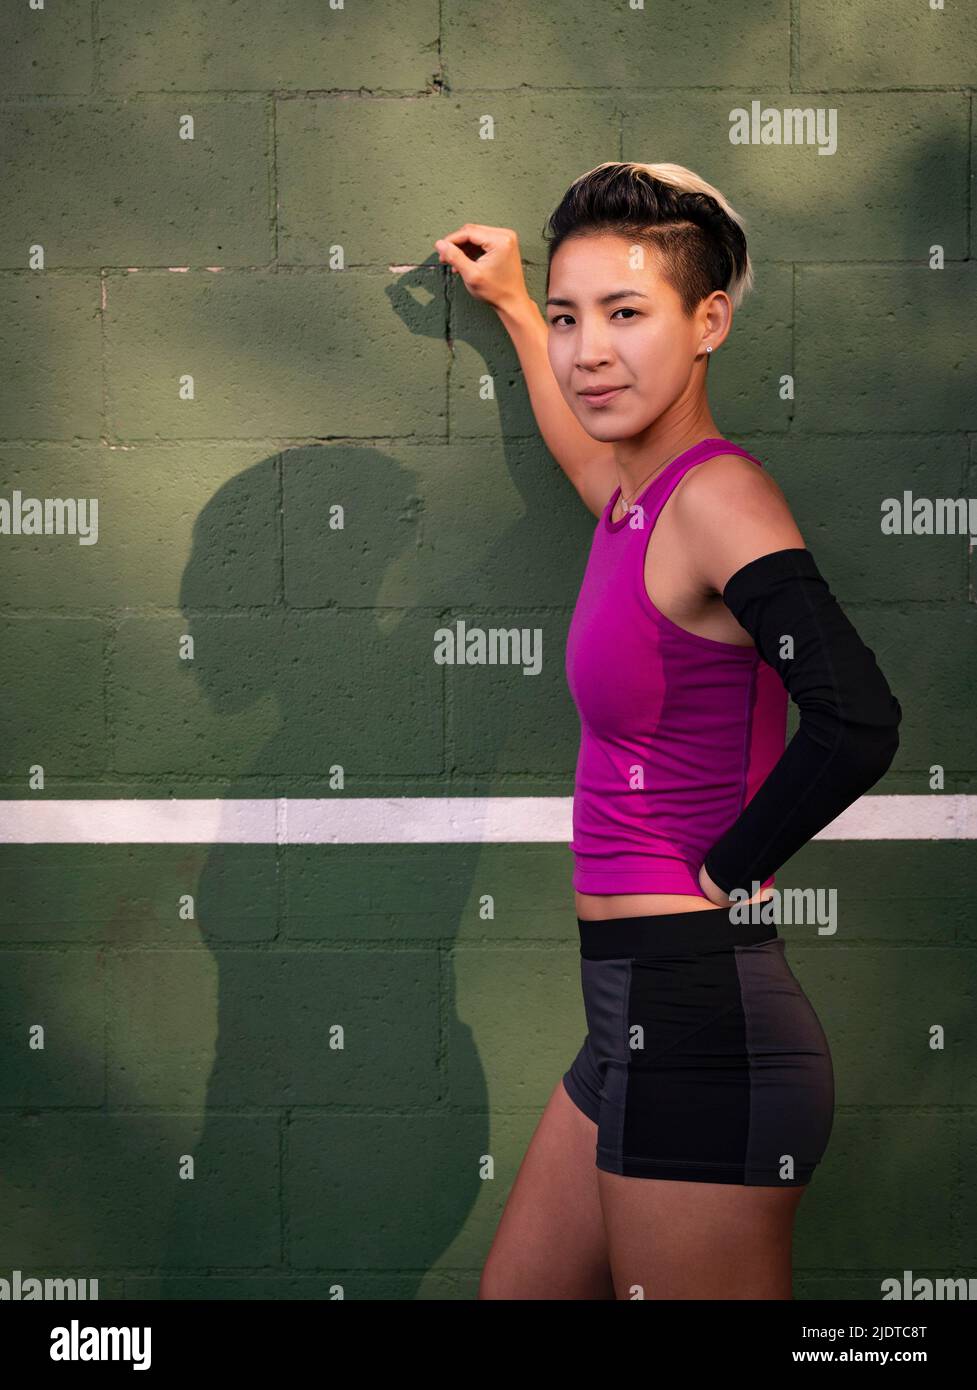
(358, 128)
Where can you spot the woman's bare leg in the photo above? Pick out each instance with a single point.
(698, 1239)
(550, 1242)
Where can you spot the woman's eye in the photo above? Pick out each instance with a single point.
(556, 319)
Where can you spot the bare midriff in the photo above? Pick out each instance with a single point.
(600, 907)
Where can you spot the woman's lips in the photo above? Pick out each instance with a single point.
(602, 397)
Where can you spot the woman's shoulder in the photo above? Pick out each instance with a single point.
(728, 510)
(727, 480)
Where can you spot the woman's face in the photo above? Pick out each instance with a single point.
(611, 325)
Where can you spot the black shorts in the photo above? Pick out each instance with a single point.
(704, 1060)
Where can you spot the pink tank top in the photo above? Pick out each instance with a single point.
(677, 731)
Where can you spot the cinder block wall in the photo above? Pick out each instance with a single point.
(226, 338)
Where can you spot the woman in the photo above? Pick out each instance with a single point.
(705, 1082)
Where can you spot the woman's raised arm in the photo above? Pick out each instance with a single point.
(490, 265)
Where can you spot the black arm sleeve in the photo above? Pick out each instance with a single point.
(849, 718)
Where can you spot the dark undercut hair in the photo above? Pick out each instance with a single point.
(696, 235)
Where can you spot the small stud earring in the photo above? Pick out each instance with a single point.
(708, 349)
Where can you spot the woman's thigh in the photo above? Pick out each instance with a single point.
(687, 1240)
(550, 1242)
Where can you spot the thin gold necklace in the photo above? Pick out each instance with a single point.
(627, 502)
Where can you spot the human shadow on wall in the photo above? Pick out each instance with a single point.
(377, 1173)
(380, 1143)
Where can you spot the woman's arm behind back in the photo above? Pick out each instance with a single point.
(743, 543)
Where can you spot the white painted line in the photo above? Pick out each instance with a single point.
(133, 822)
(407, 820)
(906, 818)
(429, 820)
